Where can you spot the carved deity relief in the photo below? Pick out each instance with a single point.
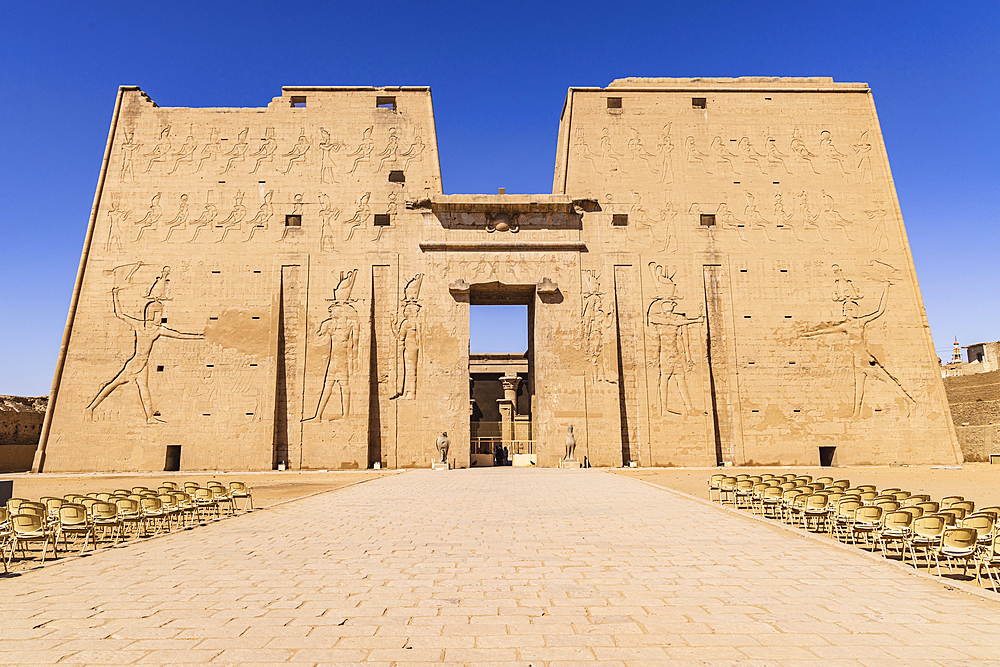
(297, 205)
(665, 147)
(612, 159)
(364, 150)
(264, 214)
(695, 156)
(667, 216)
(829, 151)
(298, 152)
(832, 217)
(639, 151)
(328, 214)
(116, 217)
(599, 331)
(327, 166)
(180, 220)
(406, 330)
(801, 151)
(582, 150)
(234, 220)
(160, 151)
(865, 365)
(239, 151)
(207, 217)
(723, 156)
(210, 150)
(129, 150)
(146, 329)
(391, 151)
(754, 216)
(775, 158)
(879, 242)
(340, 332)
(750, 155)
(360, 217)
(863, 167)
(673, 341)
(184, 154)
(266, 151)
(414, 153)
(153, 214)
(809, 219)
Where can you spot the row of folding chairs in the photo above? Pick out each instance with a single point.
(111, 516)
(951, 529)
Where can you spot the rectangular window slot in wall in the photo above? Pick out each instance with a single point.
(213, 318)
(796, 410)
(741, 226)
(249, 414)
(216, 271)
(159, 369)
(755, 411)
(775, 182)
(791, 363)
(385, 102)
(397, 177)
(780, 226)
(223, 182)
(293, 221)
(209, 365)
(298, 101)
(746, 317)
(256, 271)
(708, 220)
(788, 317)
(163, 320)
(261, 182)
(619, 220)
(382, 219)
(699, 102)
(254, 317)
(736, 182)
(768, 99)
(784, 270)
(253, 365)
(751, 363)
(206, 414)
(614, 103)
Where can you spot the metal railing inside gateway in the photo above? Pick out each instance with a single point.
(485, 436)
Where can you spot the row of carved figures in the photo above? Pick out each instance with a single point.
(736, 156)
(186, 226)
(211, 153)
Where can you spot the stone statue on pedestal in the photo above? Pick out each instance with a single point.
(570, 444)
(443, 444)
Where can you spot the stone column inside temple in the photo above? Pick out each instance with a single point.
(508, 407)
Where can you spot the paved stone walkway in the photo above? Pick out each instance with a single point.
(490, 567)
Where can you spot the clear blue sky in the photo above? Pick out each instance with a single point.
(499, 73)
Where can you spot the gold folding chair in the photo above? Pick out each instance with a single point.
(28, 528)
(958, 544)
(73, 520)
(925, 534)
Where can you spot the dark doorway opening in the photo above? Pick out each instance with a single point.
(826, 455)
(173, 462)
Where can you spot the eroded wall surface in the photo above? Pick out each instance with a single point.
(720, 275)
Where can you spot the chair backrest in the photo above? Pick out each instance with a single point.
(203, 494)
(995, 511)
(825, 480)
(868, 496)
(915, 511)
(742, 476)
(23, 522)
(163, 489)
(139, 489)
(727, 484)
(868, 514)
(121, 492)
(901, 495)
(948, 500)
(789, 476)
(770, 493)
(241, 486)
(890, 489)
(764, 476)
(842, 483)
(949, 517)
(959, 538)
(72, 515)
(806, 479)
(967, 505)
(756, 479)
(982, 523)
(170, 485)
(816, 501)
(4, 516)
(897, 520)
(14, 503)
(866, 488)
(104, 496)
(104, 510)
(929, 506)
(816, 486)
(741, 485)
(179, 497)
(151, 504)
(713, 481)
(929, 525)
(89, 502)
(847, 508)
(787, 486)
(957, 512)
(887, 505)
(52, 505)
(36, 509)
(127, 506)
(833, 498)
(167, 500)
(190, 485)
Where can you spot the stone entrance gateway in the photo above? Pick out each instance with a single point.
(720, 275)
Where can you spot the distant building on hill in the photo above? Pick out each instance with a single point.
(973, 389)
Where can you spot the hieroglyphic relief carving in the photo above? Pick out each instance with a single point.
(297, 205)
(146, 331)
(360, 217)
(879, 239)
(328, 214)
(298, 152)
(364, 150)
(695, 156)
(266, 151)
(184, 154)
(264, 214)
(723, 156)
(832, 217)
(210, 150)
(414, 152)
(600, 344)
(239, 151)
(129, 149)
(864, 151)
(153, 214)
(612, 159)
(775, 158)
(801, 151)
(406, 331)
(639, 151)
(340, 333)
(673, 353)
(116, 217)
(749, 155)
(809, 219)
(754, 216)
(234, 220)
(582, 150)
(667, 215)
(327, 167)
(725, 219)
(830, 152)
(207, 217)
(665, 146)
(391, 151)
(180, 220)
(865, 364)
(160, 151)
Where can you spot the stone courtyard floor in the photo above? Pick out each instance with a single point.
(490, 567)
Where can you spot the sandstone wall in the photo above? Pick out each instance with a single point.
(20, 426)
(975, 410)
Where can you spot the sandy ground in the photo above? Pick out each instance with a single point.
(268, 487)
(979, 482)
